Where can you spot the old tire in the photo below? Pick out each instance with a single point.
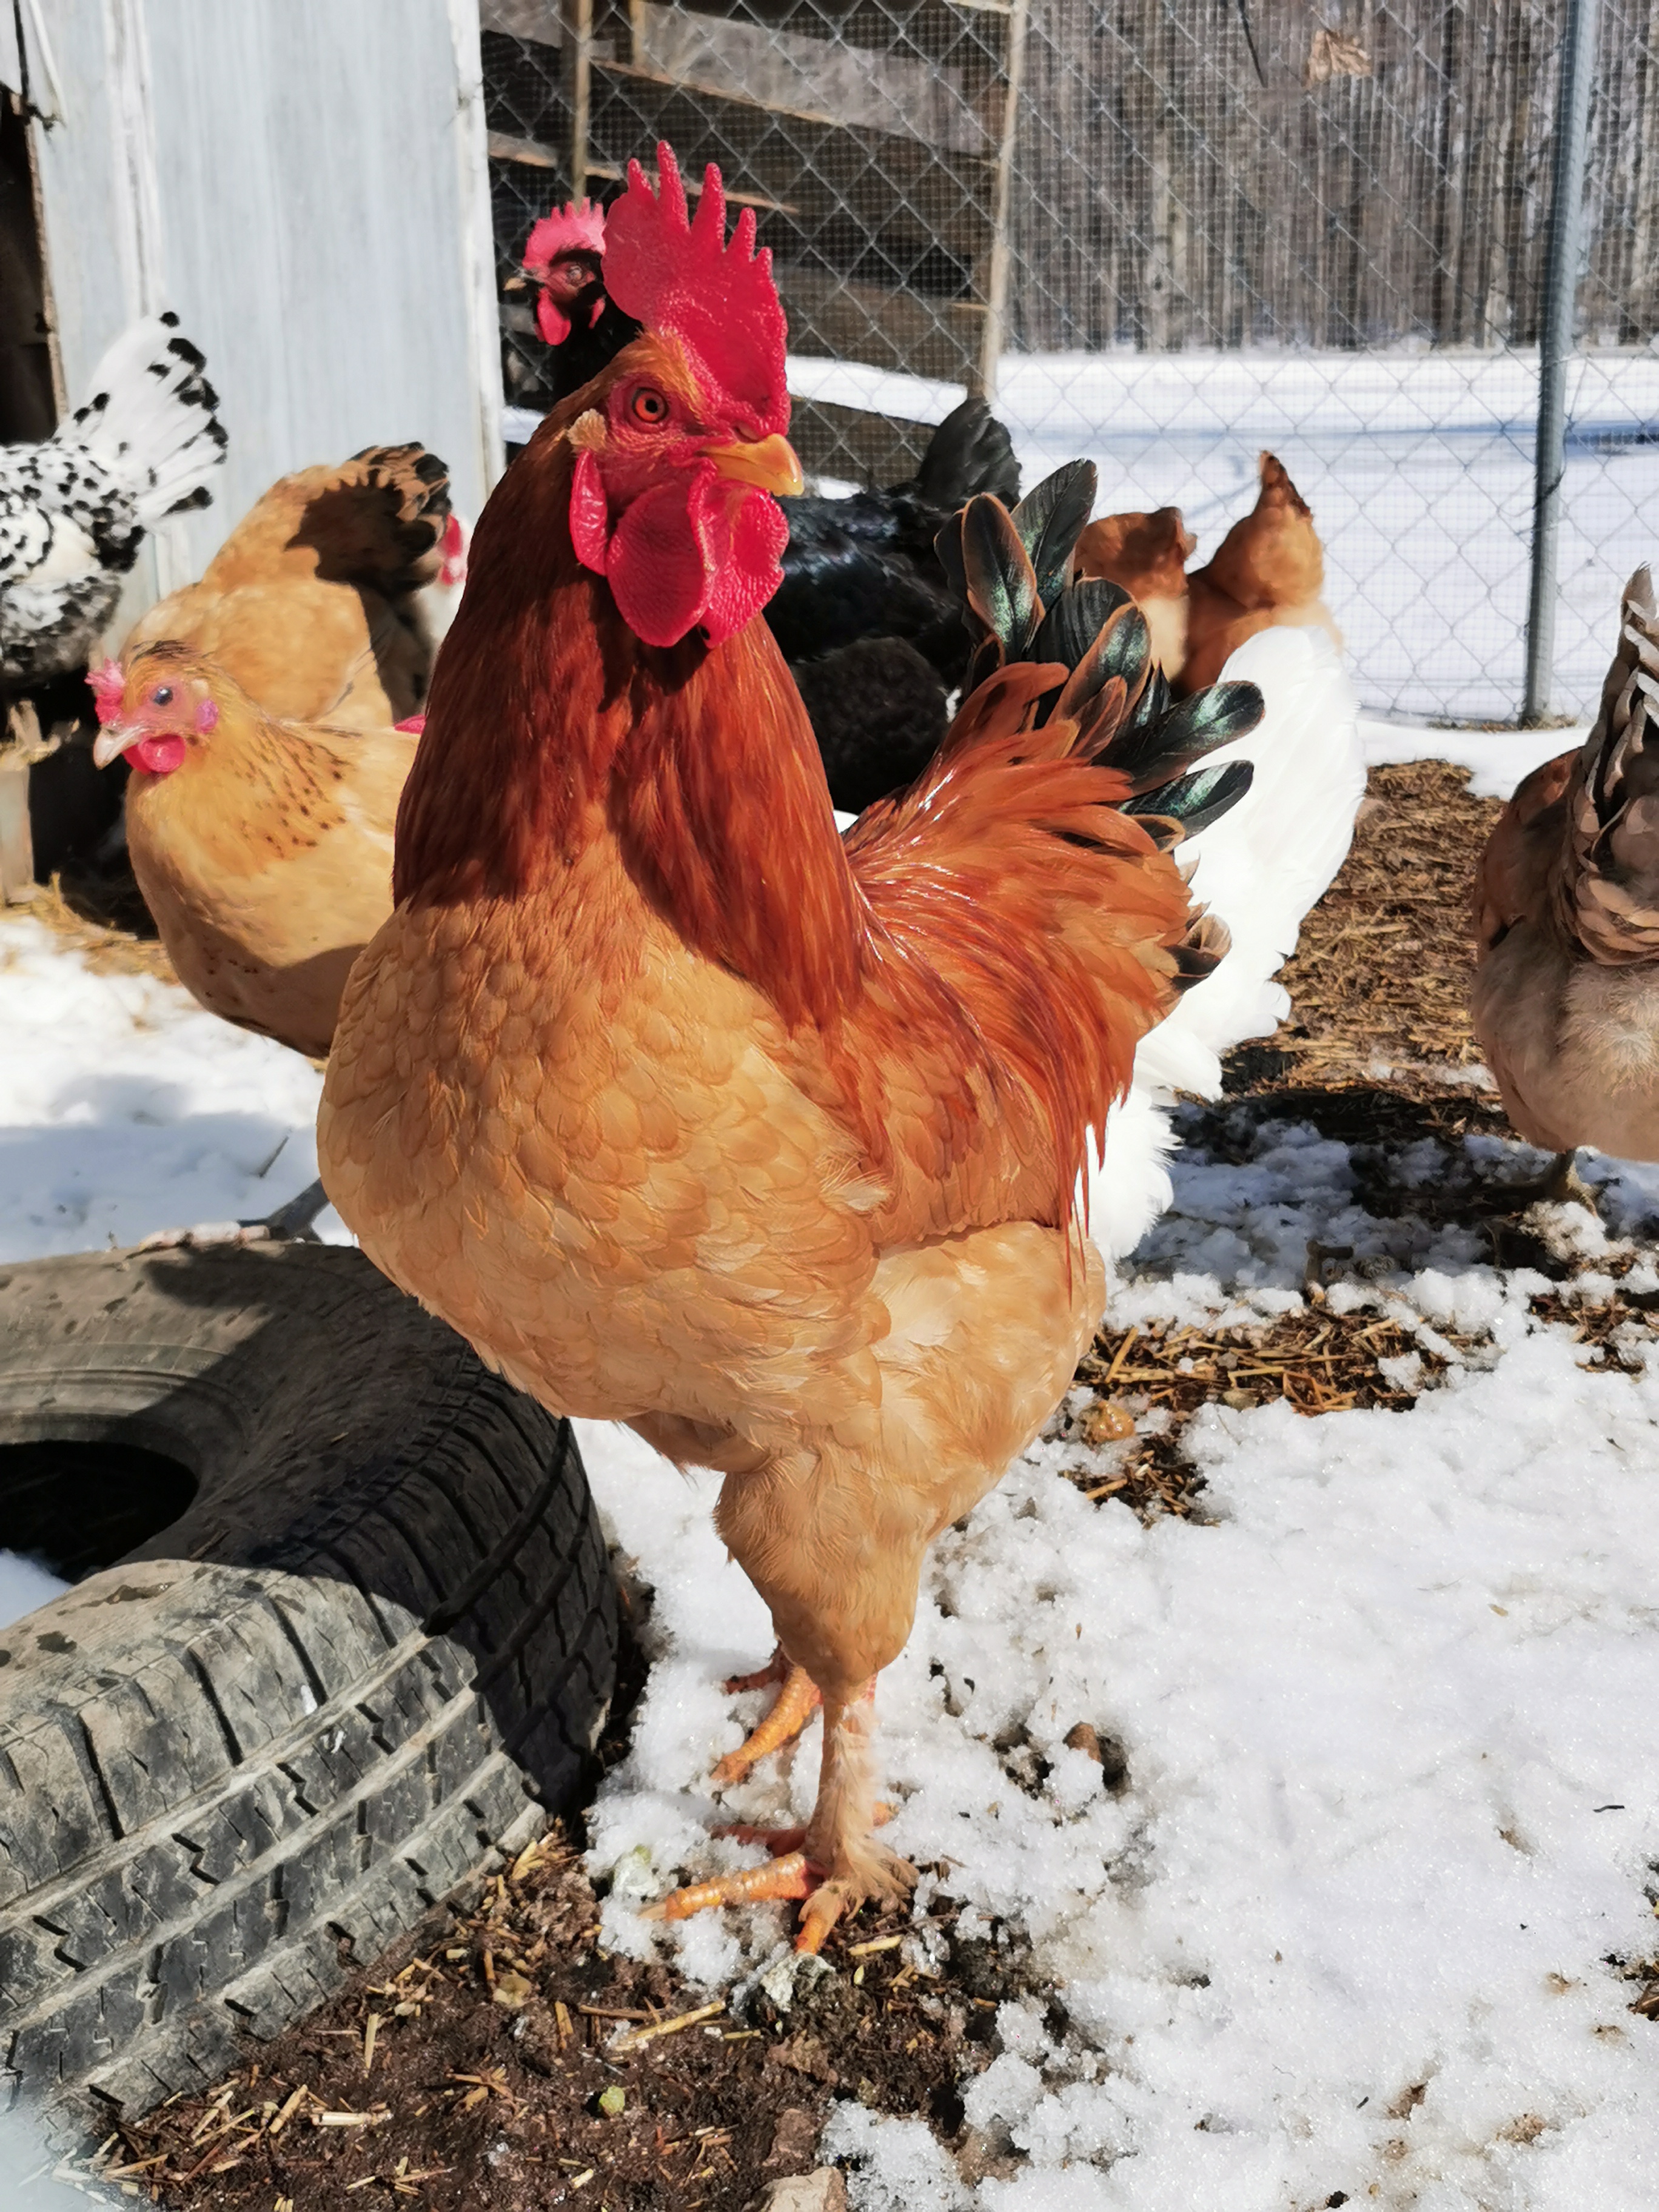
(315, 1700)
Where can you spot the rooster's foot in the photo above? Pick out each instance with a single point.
(889, 1884)
(797, 1702)
(776, 1669)
(828, 1896)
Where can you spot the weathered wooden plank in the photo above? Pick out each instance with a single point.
(839, 321)
(882, 185)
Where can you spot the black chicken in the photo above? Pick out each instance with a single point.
(869, 625)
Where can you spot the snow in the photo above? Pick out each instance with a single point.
(1419, 467)
(1388, 1805)
(125, 1109)
(1386, 1710)
(29, 2180)
(24, 1583)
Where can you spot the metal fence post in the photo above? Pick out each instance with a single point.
(1555, 346)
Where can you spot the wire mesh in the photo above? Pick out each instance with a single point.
(1170, 233)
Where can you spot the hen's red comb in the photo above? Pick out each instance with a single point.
(578, 227)
(682, 278)
(109, 684)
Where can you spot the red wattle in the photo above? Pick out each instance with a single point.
(157, 756)
(659, 564)
(746, 579)
(700, 549)
(550, 320)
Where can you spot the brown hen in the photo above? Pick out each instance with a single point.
(1268, 572)
(328, 600)
(1566, 1004)
(1147, 556)
(262, 848)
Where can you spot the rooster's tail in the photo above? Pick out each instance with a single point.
(152, 420)
(1261, 836)
(1012, 572)
(1030, 865)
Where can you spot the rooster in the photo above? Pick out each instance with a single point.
(690, 1115)
(581, 324)
(74, 511)
(864, 616)
(328, 600)
(1268, 573)
(1566, 1004)
(263, 846)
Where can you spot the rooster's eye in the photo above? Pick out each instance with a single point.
(161, 696)
(649, 406)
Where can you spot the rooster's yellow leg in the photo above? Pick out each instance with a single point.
(838, 1835)
(835, 1865)
(797, 1702)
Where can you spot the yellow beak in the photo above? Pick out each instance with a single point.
(113, 741)
(771, 462)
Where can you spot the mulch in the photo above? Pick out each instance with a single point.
(99, 913)
(1379, 983)
(1319, 1362)
(499, 2058)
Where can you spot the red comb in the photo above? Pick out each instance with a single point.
(578, 227)
(682, 278)
(109, 685)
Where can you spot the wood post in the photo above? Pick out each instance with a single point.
(1555, 347)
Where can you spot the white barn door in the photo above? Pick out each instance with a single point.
(305, 183)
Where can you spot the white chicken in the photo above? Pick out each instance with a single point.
(1261, 868)
(74, 510)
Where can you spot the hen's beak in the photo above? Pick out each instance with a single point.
(113, 741)
(771, 462)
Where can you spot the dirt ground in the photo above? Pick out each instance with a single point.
(498, 2060)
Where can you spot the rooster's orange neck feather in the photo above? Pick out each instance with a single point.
(551, 727)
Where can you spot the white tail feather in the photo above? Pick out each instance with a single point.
(1261, 868)
(150, 419)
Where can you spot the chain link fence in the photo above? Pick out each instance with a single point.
(1168, 233)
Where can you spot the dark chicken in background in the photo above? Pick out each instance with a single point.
(873, 632)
